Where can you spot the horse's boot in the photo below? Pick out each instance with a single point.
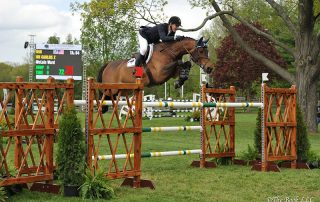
(183, 75)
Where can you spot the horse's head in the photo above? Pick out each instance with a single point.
(200, 55)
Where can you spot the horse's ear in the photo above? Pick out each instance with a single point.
(199, 43)
(205, 42)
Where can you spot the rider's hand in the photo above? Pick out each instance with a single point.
(178, 38)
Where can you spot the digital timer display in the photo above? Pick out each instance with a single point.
(61, 61)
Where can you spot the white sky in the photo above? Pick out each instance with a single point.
(44, 18)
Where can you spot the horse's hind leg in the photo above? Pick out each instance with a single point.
(105, 108)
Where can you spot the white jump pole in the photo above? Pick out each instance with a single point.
(263, 163)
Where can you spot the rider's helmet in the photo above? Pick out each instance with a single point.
(175, 20)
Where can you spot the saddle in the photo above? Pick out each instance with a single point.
(132, 60)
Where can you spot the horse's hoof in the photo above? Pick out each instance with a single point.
(177, 84)
(104, 109)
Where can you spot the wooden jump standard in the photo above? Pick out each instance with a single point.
(31, 127)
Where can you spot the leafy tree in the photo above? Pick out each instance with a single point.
(5, 72)
(53, 39)
(70, 40)
(301, 20)
(236, 67)
(107, 33)
(20, 70)
(10, 72)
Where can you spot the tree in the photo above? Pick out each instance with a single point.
(70, 40)
(53, 39)
(9, 72)
(236, 67)
(304, 29)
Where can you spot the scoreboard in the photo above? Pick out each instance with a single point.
(61, 61)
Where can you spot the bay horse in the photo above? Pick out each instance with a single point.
(165, 63)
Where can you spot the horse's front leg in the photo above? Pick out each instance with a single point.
(183, 74)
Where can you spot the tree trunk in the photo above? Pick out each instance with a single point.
(307, 98)
(312, 108)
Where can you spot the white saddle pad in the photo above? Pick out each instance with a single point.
(131, 62)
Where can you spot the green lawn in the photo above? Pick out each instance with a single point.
(176, 180)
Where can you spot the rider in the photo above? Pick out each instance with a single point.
(163, 32)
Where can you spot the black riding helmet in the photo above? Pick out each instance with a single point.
(175, 20)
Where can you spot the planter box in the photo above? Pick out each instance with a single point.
(71, 191)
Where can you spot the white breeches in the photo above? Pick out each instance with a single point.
(143, 44)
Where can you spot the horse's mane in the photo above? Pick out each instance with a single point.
(170, 43)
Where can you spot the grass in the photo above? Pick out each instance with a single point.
(176, 180)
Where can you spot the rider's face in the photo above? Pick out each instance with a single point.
(173, 27)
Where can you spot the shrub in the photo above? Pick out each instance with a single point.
(187, 118)
(3, 194)
(249, 155)
(71, 149)
(196, 115)
(95, 187)
(222, 160)
(313, 159)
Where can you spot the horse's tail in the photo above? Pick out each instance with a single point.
(99, 79)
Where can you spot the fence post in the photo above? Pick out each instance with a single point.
(18, 139)
(70, 93)
(203, 129)
(294, 129)
(49, 123)
(232, 119)
(89, 121)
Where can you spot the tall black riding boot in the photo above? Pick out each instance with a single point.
(139, 60)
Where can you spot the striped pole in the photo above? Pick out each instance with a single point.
(172, 128)
(106, 102)
(168, 115)
(181, 104)
(200, 104)
(170, 110)
(151, 154)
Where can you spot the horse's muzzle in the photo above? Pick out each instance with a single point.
(207, 70)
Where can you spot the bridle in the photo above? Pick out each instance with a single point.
(195, 56)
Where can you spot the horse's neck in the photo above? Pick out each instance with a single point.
(177, 49)
(183, 47)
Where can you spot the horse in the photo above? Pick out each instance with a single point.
(165, 63)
